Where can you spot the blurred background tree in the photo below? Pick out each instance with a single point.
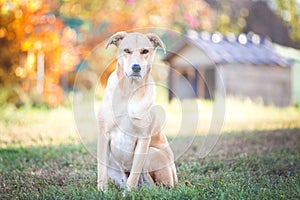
(102, 18)
(276, 19)
(34, 42)
(289, 11)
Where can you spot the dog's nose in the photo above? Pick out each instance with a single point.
(136, 68)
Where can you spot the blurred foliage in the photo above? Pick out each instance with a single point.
(102, 18)
(226, 23)
(36, 49)
(231, 15)
(289, 11)
(8, 94)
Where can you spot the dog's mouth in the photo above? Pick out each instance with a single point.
(134, 75)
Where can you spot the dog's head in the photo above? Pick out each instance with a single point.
(136, 52)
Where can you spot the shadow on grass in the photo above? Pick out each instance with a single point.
(259, 164)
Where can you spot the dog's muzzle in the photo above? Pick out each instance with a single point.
(136, 69)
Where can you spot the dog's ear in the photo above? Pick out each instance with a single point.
(156, 41)
(116, 38)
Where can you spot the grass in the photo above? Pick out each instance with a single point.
(240, 115)
(41, 157)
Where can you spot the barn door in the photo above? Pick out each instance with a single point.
(184, 83)
(209, 83)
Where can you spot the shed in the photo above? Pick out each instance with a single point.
(244, 65)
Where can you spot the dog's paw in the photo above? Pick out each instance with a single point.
(131, 183)
(102, 185)
(129, 187)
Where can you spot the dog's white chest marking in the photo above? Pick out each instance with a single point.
(122, 148)
(124, 136)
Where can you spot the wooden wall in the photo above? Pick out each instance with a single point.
(271, 83)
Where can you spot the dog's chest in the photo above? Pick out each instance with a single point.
(122, 147)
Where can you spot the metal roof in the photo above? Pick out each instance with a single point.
(244, 49)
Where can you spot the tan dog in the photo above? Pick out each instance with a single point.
(132, 150)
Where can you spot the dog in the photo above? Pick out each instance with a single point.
(132, 150)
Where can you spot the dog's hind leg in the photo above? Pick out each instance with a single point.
(161, 167)
(166, 176)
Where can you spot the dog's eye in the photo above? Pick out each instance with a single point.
(145, 51)
(127, 51)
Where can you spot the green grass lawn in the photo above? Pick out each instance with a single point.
(41, 157)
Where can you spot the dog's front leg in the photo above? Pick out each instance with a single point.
(102, 160)
(139, 158)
